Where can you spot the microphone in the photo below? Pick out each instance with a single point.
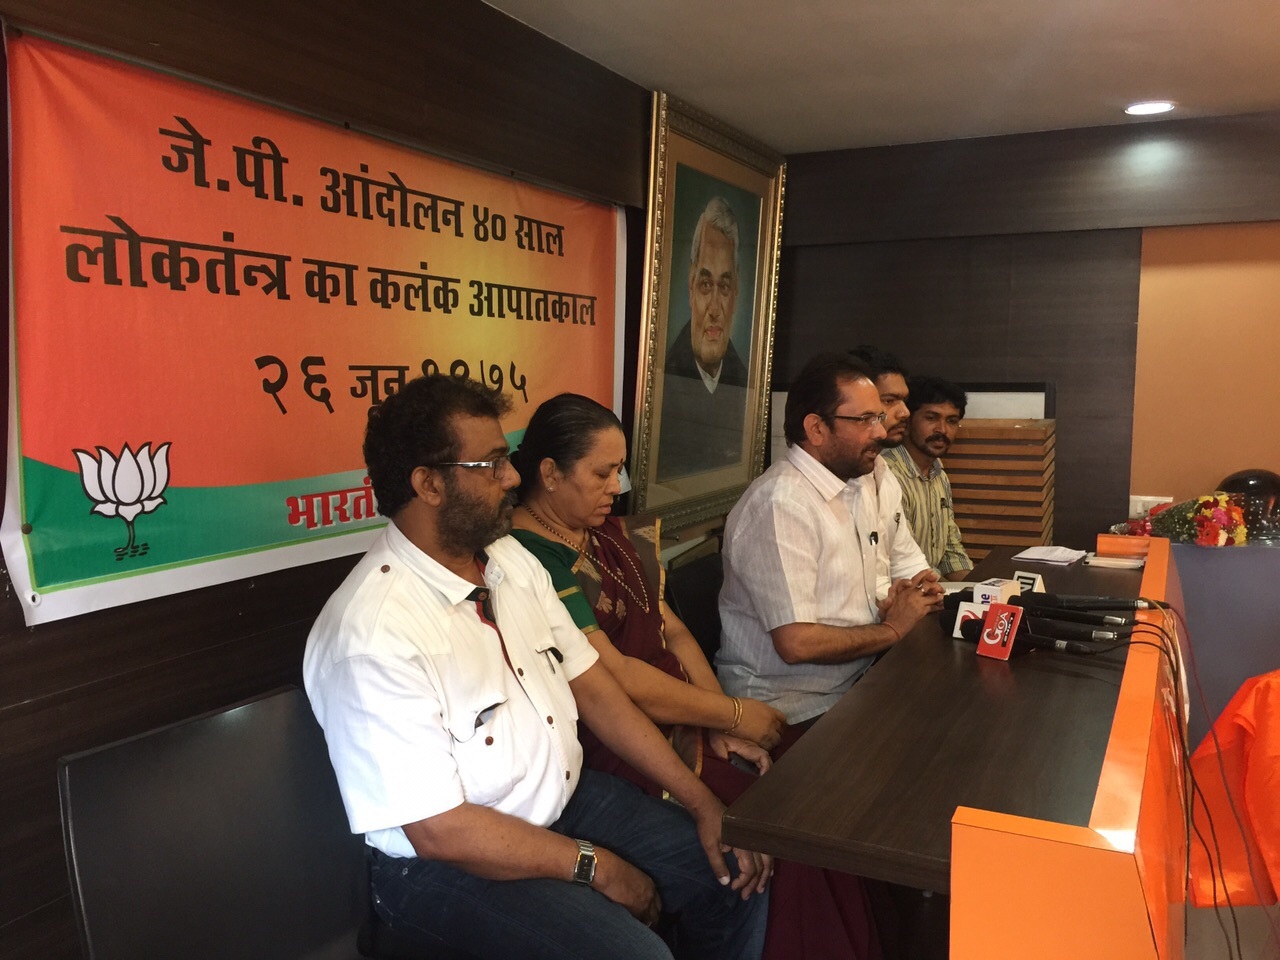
(971, 630)
(1034, 608)
(947, 620)
(1073, 602)
(1055, 630)
(1051, 606)
(1059, 646)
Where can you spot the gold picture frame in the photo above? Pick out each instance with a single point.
(706, 346)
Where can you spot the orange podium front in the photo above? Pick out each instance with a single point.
(1112, 890)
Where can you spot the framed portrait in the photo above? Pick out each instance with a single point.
(706, 350)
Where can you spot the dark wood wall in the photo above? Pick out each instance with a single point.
(1014, 259)
(1060, 308)
(1152, 173)
(451, 76)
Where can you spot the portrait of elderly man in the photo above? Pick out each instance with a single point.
(704, 395)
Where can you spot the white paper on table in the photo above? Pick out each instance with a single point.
(1050, 554)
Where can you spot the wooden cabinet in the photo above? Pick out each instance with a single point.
(1002, 482)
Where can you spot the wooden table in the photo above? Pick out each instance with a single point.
(932, 731)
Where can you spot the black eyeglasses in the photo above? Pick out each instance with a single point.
(865, 420)
(495, 465)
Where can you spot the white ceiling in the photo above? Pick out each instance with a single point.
(804, 75)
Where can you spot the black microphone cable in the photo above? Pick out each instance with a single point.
(1168, 633)
(1175, 616)
(1171, 649)
(1191, 788)
(1167, 644)
(1172, 616)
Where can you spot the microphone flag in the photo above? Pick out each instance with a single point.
(998, 630)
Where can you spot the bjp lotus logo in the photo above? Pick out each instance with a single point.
(125, 486)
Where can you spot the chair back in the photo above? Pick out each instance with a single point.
(221, 836)
(693, 592)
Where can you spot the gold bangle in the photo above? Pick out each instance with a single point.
(737, 714)
(896, 632)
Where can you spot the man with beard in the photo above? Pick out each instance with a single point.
(704, 392)
(802, 612)
(890, 377)
(936, 407)
(449, 680)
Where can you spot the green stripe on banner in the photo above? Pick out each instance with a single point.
(70, 545)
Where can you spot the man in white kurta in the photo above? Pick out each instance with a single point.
(819, 578)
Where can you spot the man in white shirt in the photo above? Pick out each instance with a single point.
(449, 680)
(890, 379)
(804, 609)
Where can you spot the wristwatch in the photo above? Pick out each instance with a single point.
(584, 871)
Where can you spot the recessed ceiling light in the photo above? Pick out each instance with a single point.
(1147, 107)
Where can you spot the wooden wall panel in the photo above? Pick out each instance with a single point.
(1043, 307)
(1216, 170)
(454, 77)
(1001, 474)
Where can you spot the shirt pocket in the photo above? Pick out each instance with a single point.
(479, 725)
(551, 661)
(549, 658)
(467, 715)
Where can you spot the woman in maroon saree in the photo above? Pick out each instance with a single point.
(607, 573)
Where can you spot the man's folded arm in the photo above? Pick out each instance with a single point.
(907, 603)
(493, 845)
(498, 846)
(824, 643)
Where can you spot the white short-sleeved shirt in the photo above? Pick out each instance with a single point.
(420, 709)
(801, 546)
(899, 555)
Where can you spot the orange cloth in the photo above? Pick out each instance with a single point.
(1248, 733)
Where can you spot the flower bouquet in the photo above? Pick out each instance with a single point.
(1215, 520)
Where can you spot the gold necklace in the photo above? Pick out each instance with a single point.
(587, 536)
(556, 533)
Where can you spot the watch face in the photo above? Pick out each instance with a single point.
(584, 870)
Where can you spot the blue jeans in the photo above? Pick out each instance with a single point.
(558, 920)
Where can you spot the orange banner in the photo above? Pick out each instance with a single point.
(212, 293)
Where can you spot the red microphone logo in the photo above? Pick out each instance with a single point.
(998, 631)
